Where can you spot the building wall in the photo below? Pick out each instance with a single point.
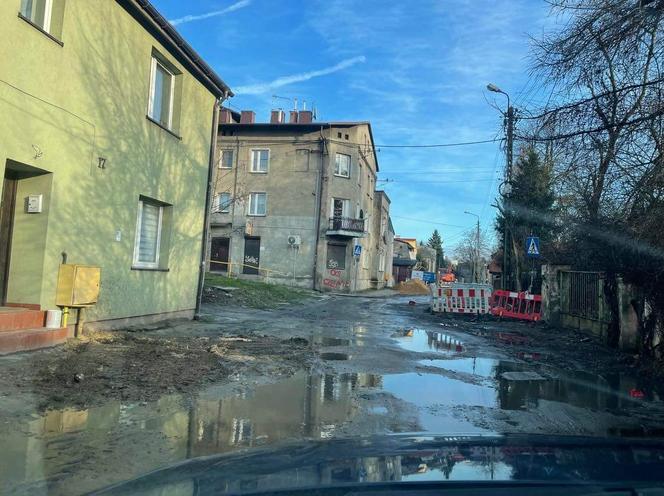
(291, 185)
(300, 182)
(62, 107)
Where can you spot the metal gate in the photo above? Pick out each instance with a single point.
(582, 294)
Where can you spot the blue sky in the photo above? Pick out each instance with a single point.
(416, 69)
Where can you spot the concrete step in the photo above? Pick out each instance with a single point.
(31, 339)
(15, 318)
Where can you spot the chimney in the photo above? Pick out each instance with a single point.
(247, 117)
(305, 117)
(293, 117)
(277, 117)
(225, 116)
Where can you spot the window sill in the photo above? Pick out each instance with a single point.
(40, 29)
(149, 269)
(341, 175)
(257, 172)
(225, 168)
(256, 215)
(158, 124)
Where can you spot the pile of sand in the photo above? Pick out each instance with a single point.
(413, 287)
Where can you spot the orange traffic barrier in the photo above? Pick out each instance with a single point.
(523, 305)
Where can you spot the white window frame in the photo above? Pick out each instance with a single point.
(221, 159)
(250, 203)
(344, 209)
(251, 168)
(48, 13)
(350, 163)
(228, 206)
(137, 238)
(153, 81)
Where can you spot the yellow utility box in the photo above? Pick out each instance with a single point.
(78, 285)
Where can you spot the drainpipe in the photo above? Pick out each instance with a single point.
(319, 206)
(208, 202)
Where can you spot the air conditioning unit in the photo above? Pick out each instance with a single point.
(294, 240)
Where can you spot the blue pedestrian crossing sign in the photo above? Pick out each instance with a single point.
(357, 251)
(532, 247)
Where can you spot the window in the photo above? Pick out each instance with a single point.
(259, 160)
(226, 159)
(148, 234)
(45, 14)
(336, 256)
(222, 203)
(340, 208)
(258, 204)
(162, 90)
(342, 165)
(38, 12)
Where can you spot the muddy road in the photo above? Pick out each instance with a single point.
(118, 405)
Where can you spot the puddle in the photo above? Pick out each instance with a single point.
(334, 356)
(484, 367)
(423, 341)
(332, 341)
(78, 451)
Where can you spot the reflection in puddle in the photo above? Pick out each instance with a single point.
(484, 367)
(304, 406)
(424, 341)
(324, 341)
(331, 355)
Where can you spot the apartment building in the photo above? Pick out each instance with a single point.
(296, 203)
(107, 141)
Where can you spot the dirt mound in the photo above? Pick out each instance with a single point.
(413, 287)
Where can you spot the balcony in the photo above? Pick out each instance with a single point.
(347, 227)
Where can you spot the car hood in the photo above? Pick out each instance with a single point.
(408, 458)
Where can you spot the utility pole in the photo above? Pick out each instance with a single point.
(509, 116)
(479, 264)
(476, 251)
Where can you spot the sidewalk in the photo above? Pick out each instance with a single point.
(370, 293)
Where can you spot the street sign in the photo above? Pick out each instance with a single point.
(429, 277)
(532, 247)
(357, 251)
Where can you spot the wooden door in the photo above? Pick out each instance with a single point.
(219, 254)
(7, 206)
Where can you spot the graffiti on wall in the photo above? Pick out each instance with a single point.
(335, 279)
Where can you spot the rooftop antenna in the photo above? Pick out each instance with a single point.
(275, 97)
(304, 105)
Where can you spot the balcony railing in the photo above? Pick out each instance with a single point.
(346, 224)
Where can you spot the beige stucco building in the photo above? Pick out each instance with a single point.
(294, 199)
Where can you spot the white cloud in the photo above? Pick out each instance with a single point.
(190, 18)
(259, 88)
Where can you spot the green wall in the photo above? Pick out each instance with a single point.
(99, 79)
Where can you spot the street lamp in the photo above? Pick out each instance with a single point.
(476, 265)
(509, 116)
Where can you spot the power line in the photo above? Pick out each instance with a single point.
(428, 221)
(442, 145)
(593, 130)
(593, 98)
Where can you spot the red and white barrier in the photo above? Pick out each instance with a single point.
(463, 298)
(523, 306)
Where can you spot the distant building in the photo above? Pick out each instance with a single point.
(426, 258)
(404, 259)
(296, 203)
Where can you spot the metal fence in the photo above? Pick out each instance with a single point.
(346, 224)
(582, 294)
